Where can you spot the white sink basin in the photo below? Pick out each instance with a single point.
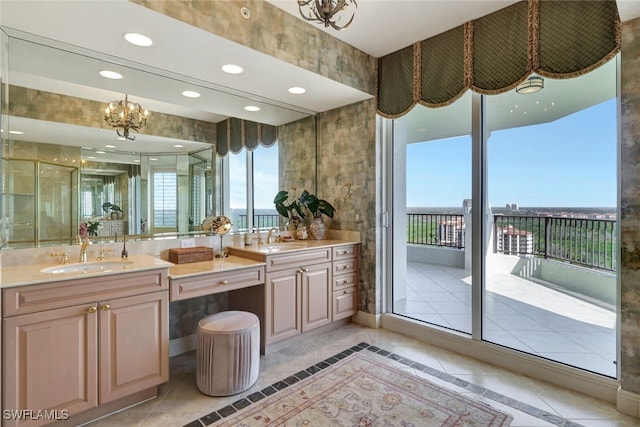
(87, 267)
(283, 246)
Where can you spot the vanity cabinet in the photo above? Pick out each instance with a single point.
(345, 282)
(312, 288)
(79, 344)
(297, 301)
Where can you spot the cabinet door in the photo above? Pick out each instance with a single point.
(134, 344)
(316, 296)
(282, 305)
(50, 361)
(344, 303)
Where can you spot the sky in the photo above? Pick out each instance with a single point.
(570, 162)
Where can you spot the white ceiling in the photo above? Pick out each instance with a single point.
(88, 33)
(384, 26)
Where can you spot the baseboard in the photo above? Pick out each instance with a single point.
(628, 403)
(366, 319)
(575, 379)
(182, 345)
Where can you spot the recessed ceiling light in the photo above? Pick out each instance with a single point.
(91, 157)
(252, 108)
(108, 74)
(99, 152)
(297, 90)
(138, 39)
(232, 69)
(109, 146)
(16, 132)
(178, 146)
(121, 138)
(191, 94)
(153, 159)
(136, 161)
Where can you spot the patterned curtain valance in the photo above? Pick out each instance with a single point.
(495, 53)
(232, 135)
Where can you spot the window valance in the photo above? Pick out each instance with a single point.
(495, 53)
(233, 135)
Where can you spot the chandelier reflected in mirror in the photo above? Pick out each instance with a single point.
(127, 116)
(327, 11)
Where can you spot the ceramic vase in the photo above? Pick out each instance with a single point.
(317, 228)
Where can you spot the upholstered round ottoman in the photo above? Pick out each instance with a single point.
(227, 352)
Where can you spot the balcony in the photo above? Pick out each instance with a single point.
(550, 292)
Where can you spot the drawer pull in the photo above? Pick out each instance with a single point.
(303, 270)
(345, 267)
(105, 307)
(224, 282)
(346, 292)
(344, 252)
(92, 309)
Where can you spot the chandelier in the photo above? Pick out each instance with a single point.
(325, 11)
(126, 115)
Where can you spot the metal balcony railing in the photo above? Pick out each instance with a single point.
(582, 241)
(260, 221)
(587, 242)
(436, 229)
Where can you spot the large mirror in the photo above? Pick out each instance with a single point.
(66, 171)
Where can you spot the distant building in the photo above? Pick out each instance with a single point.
(451, 232)
(512, 241)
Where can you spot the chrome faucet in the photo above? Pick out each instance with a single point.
(269, 236)
(83, 249)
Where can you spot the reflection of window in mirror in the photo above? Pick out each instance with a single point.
(237, 185)
(252, 176)
(265, 187)
(164, 195)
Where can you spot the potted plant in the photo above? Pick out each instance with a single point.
(116, 211)
(299, 208)
(289, 209)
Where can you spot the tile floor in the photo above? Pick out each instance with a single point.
(521, 314)
(180, 403)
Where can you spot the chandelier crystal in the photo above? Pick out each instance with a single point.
(126, 115)
(326, 11)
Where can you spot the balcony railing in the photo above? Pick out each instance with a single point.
(260, 221)
(436, 229)
(587, 242)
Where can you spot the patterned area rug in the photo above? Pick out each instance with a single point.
(359, 391)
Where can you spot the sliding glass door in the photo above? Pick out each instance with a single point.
(550, 278)
(545, 276)
(432, 215)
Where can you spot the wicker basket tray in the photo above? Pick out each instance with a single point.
(186, 255)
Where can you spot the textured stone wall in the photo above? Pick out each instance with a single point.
(347, 179)
(274, 32)
(630, 208)
(297, 151)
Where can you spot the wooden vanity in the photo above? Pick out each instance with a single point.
(93, 341)
(88, 344)
(309, 286)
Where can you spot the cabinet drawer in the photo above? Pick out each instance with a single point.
(190, 287)
(344, 281)
(33, 298)
(344, 303)
(344, 252)
(345, 266)
(298, 259)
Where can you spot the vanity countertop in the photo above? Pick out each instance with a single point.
(31, 274)
(293, 245)
(229, 263)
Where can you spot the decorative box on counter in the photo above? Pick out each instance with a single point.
(185, 255)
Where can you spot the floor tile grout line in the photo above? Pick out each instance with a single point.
(246, 401)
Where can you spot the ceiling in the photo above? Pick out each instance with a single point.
(384, 26)
(87, 35)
